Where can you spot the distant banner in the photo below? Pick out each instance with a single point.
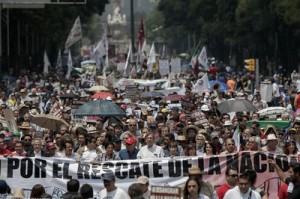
(54, 173)
(164, 67)
(176, 65)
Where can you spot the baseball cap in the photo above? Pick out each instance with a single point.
(109, 177)
(143, 180)
(131, 140)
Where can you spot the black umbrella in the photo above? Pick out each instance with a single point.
(152, 94)
(100, 108)
(68, 95)
(238, 105)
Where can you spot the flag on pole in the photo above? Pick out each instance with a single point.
(100, 51)
(70, 65)
(202, 59)
(195, 65)
(59, 60)
(127, 61)
(236, 138)
(141, 34)
(142, 52)
(46, 64)
(163, 54)
(75, 34)
(151, 60)
(201, 84)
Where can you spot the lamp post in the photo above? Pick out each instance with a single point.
(132, 25)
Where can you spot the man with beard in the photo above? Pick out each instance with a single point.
(111, 191)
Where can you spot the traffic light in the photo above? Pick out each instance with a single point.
(250, 64)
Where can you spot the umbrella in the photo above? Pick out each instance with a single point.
(68, 95)
(172, 98)
(97, 88)
(272, 111)
(102, 95)
(221, 86)
(48, 121)
(99, 108)
(238, 105)
(152, 94)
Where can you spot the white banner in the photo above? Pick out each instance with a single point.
(176, 65)
(53, 173)
(164, 67)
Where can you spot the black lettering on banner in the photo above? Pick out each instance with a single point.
(232, 160)
(245, 162)
(214, 166)
(174, 171)
(12, 164)
(156, 168)
(107, 166)
(134, 170)
(95, 171)
(83, 171)
(119, 166)
(271, 168)
(258, 166)
(26, 167)
(282, 162)
(185, 167)
(146, 168)
(201, 163)
(56, 169)
(40, 168)
(66, 171)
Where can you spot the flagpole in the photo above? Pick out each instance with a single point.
(197, 48)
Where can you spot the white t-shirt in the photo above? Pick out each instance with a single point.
(152, 152)
(118, 193)
(235, 193)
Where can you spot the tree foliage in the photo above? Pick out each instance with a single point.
(268, 30)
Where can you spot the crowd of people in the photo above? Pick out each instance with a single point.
(194, 127)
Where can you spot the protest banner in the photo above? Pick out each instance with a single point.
(54, 173)
(164, 67)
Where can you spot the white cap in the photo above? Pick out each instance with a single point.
(271, 136)
(204, 108)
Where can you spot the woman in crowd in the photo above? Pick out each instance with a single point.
(192, 189)
(190, 150)
(109, 154)
(290, 148)
(209, 149)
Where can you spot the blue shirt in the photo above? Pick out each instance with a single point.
(124, 154)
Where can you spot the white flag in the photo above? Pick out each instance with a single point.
(75, 34)
(143, 51)
(202, 59)
(151, 59)
(100, 51)
(201, 84)
(163, 54)
(46, 64)
(59, 60)
(127, 61)
(70, 65)
(236, 138)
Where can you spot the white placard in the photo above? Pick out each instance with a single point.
(164, 67)
(176, 65)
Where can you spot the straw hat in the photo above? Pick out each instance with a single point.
(25, 125)
(195, 171)
(92, 129)
(19, 193)
(185, 129)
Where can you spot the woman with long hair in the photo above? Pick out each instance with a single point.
(209, 149)
(192, 189)
(290, 148)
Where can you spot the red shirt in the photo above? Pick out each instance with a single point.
(222, 190)
(282, 193)
(5, 152)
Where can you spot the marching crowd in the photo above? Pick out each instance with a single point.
(196, 128)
